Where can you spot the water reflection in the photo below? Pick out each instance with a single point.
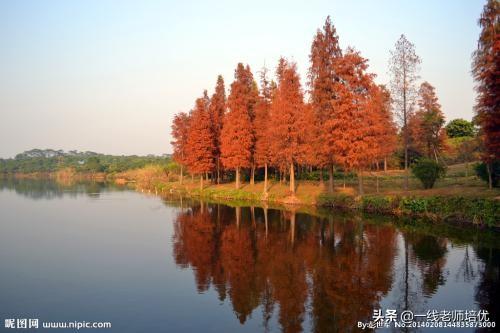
(275, 269)
(55, 188)
(488, 290)
(319, 273)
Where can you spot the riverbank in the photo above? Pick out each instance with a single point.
(458, 199)
(467, 202)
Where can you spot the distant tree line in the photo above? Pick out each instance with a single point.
(49, 160)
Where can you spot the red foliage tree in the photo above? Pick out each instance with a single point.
(237, 135)
(352, 133)
(325, 50)
(387, 138)
(486, 70)
(427, 134)
(262, 153)
(199, 155)
(217, 110)
(288, 122)
(180, 130)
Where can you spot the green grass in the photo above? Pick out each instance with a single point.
(456, 197)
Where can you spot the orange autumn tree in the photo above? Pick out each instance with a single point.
(262, 153)
(387, 138)
(383, 128)
(237, 135)
(200, 157)
(486, 71)
(217, 109)
(353, 131)
(288, 121)
(180, 131)
(323, 75)
(427, 133)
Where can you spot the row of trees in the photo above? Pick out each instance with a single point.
(49, 160)
(346, 123)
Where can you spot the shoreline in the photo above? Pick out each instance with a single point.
(477, 211)
(483, 212)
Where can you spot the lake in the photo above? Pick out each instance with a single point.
(95, 252)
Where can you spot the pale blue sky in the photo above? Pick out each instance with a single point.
(108, 76)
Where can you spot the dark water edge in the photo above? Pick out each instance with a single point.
(294, 268)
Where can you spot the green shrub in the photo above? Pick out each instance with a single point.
(482, 172)
(414, 205)
(428, 171)
(379, 204)
(478, 210)
(340, 200)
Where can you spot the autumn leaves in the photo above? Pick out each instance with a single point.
(346, 123)
(238, 133)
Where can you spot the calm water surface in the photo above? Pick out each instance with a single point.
(90, 252)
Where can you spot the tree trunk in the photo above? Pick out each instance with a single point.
(206, 174)
(385, 164)
(360, 182)
(490, 179)
(265, 178)
(330, 179)
(237, 178)
(180, 179)
(292, 227)
(292, 179)
(192, 178)
(201, 182)
(218, 170)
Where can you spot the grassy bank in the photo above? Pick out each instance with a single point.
(458, 198)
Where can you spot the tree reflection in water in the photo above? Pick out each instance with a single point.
(53, 188)
(294, 272)
(315, 273)
(338, 271)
